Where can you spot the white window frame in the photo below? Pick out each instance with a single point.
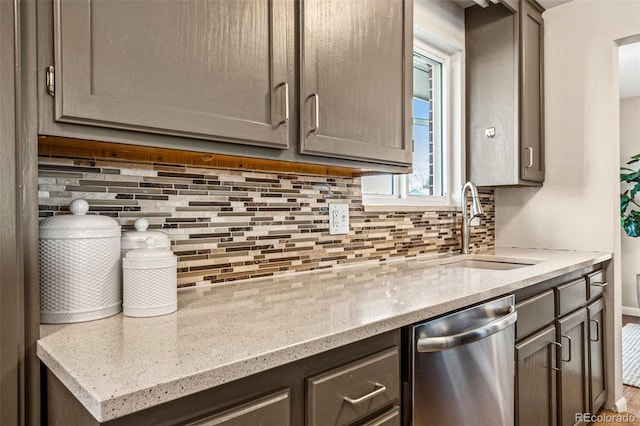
(452, 136)
(439, 134)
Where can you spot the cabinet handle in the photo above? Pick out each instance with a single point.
(569, 339)
(599, 284)
(286, 102)
(530, 152)
(558, 344)
(597, 330)
(51, 80)
(316, 118)
(380, 389)
(435, 344)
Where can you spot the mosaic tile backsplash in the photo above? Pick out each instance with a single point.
(227, 225)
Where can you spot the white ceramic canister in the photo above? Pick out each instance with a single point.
(79, 266)
(150, 281)
(135, 239)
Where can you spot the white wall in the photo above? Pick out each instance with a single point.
(629, 146)
(440, 24)
(442, 20)
(577, 208)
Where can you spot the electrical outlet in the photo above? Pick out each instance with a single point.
(338, 218)
(490, 132)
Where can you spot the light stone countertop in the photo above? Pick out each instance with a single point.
(119, 365)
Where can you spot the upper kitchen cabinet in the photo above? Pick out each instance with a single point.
(199, 69)
(505, 116)
(223, 77)
(356, 79)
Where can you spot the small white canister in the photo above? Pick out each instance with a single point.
(135, 239)
(79, 266)
(150, 281)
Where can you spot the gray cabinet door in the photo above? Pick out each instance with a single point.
(12, 394)
(209, 69)
(531, 96)
(574, 390)
(597, 372)
(491, 36)
(505, 118)
(356, 83)
(536, 379)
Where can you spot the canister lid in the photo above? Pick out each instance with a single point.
(150, 252)
(136, 239)
(79, 224)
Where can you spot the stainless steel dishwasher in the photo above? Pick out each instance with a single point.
(462, 367)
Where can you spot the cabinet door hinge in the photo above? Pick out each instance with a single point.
(51, 80)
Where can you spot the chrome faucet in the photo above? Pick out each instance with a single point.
(476, 212)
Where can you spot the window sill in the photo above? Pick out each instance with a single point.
(382, 208)
(378, 203)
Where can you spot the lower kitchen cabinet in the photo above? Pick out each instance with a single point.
(536, 379)
(573, 358)
(597, 360)
(560, 372)
(357, 384)
(560, 357)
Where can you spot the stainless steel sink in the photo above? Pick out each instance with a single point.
(487, 264)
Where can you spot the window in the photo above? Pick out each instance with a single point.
(426, 178)
(427, 184)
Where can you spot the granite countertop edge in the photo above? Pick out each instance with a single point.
(105, 406)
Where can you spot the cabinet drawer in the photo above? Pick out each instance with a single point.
(534, 313)
(270, 410)
(571, 296)
(343, 395)
(596, 282)
(388, 418)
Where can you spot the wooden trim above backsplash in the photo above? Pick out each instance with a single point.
(55, 146)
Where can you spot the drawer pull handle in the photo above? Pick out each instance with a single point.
(560, 346)
(599, 284)
(569, 339)
(380, 390)
(597, 330)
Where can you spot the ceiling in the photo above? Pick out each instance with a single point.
(547, 4)
(629, 74)
(544, 3)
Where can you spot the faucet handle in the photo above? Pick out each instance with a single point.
(474, 221)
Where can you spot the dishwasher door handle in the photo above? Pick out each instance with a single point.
(440, 343)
